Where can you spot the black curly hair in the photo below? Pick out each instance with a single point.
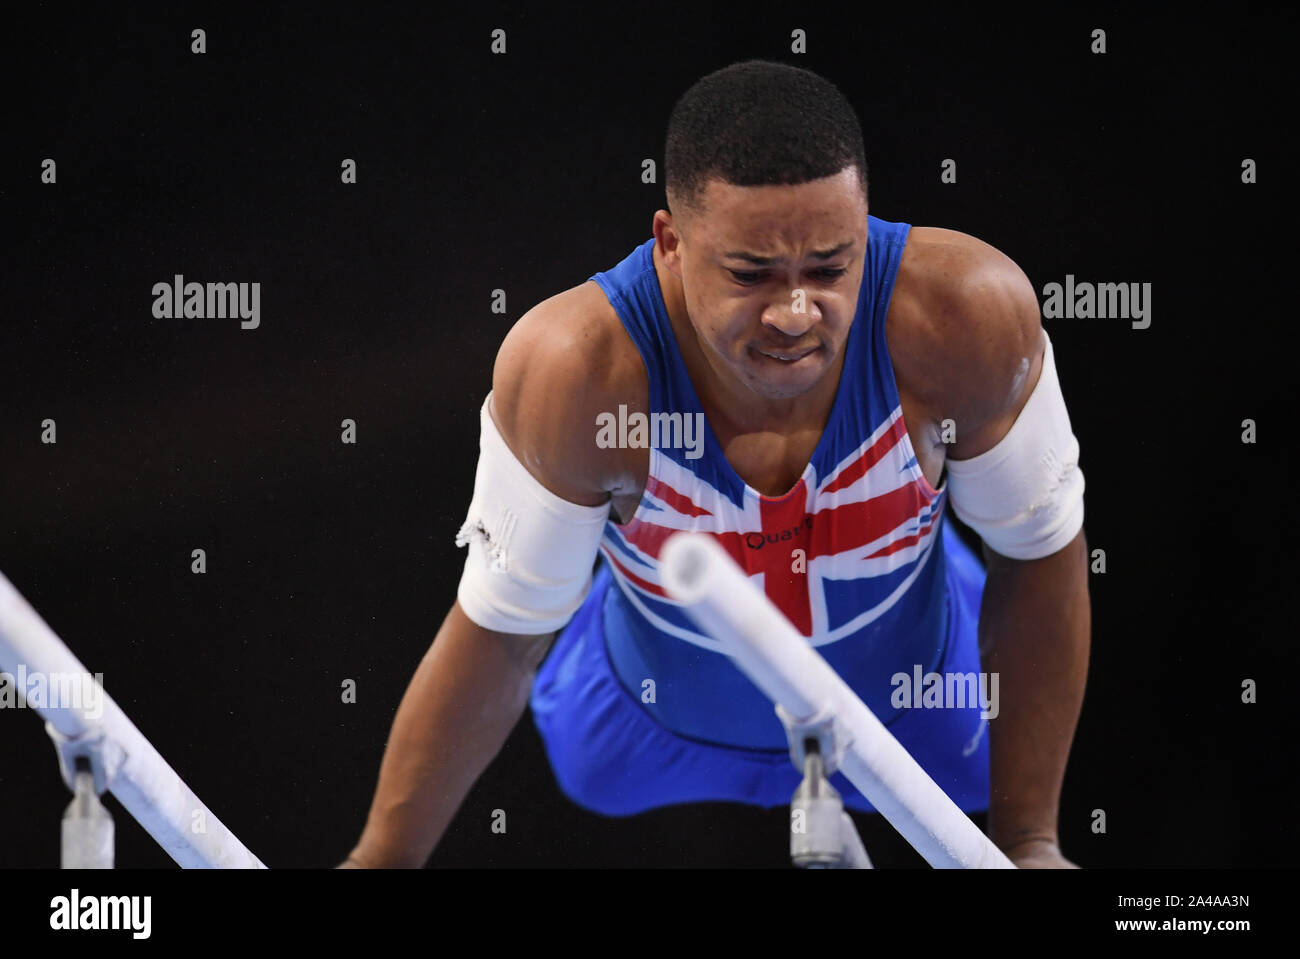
(757, 123)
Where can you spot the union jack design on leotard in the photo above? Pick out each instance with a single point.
(872, 519)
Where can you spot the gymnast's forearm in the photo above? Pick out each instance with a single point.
(1035, 627)
(462, 703)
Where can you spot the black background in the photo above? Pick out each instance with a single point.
(329, 562)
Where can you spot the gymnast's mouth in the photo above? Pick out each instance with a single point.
(788, 356)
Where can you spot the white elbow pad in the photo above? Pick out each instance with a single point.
(1025, 496)
(530, 552)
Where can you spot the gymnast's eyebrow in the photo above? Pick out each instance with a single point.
(766, 260)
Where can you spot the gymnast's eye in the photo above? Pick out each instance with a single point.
(744, 278)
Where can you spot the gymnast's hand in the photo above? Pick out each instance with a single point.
(1038, 854)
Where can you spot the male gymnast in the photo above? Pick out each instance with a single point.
(812, 373)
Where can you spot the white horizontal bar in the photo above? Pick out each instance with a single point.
(717, 594)
(147, 787)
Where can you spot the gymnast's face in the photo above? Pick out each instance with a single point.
(770, 276)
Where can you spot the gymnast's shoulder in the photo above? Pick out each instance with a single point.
(964, 333)
(563, 364)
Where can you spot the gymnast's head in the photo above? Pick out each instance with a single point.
(766, 228)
